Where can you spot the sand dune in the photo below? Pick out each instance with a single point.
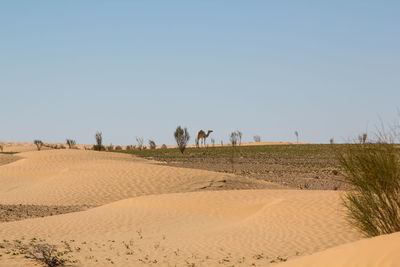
(149, 214)
(76, 177)
(206, 228)
(379, 251)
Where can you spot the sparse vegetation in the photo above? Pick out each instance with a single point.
(290, 165)
(139, 141)
(182, 138)
(213, 142)
(71, 143)
(257, 138)
(373, 171)
(38, 144)
(362, 138)
(118, 148)
(239, 134)
(110, 147)
(164, 146)
(42, 253)
(234, 137)
(296, 133)
(152, 144)
(130, 147)
(99, 142)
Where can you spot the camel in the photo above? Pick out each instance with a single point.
(201, 135)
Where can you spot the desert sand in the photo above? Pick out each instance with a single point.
(144, 213)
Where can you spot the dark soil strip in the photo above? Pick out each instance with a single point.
(10, 213)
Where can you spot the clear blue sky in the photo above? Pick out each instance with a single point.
(140, 68)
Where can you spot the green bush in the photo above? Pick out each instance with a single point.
(373, 171)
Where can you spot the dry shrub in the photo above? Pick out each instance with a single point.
(373, 171)
(182, 138)
(71, 143)
(164, 146)
(43, 253)
(257, 138)
(139, 141)
(152, 144)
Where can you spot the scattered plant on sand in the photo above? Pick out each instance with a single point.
(152, 144)
(373, 171)
(130, 147)
(43, 253)
(99, 141)
(38, 144)
(71, 143)
(139, 140)
(331, 141)
(164, 146)
(1, 147)
(118, 148)
(257, 138)
(110, 147)
(213, 142)
(182, 138)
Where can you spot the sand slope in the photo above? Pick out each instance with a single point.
(150, 214)
(206, 228)
(379, 251)
(76, 177)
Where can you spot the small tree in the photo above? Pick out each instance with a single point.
(38, 144)
(257, 138)
(164, 146)
(152, 144)
(182, 138)
(1, 147)
(296, 133)
(331, 141)
(71, 143)
(239, 134)
(99, 141)
(234, 137)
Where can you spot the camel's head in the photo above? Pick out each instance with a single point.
(210, 131)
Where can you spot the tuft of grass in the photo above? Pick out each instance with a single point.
(373, 171)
